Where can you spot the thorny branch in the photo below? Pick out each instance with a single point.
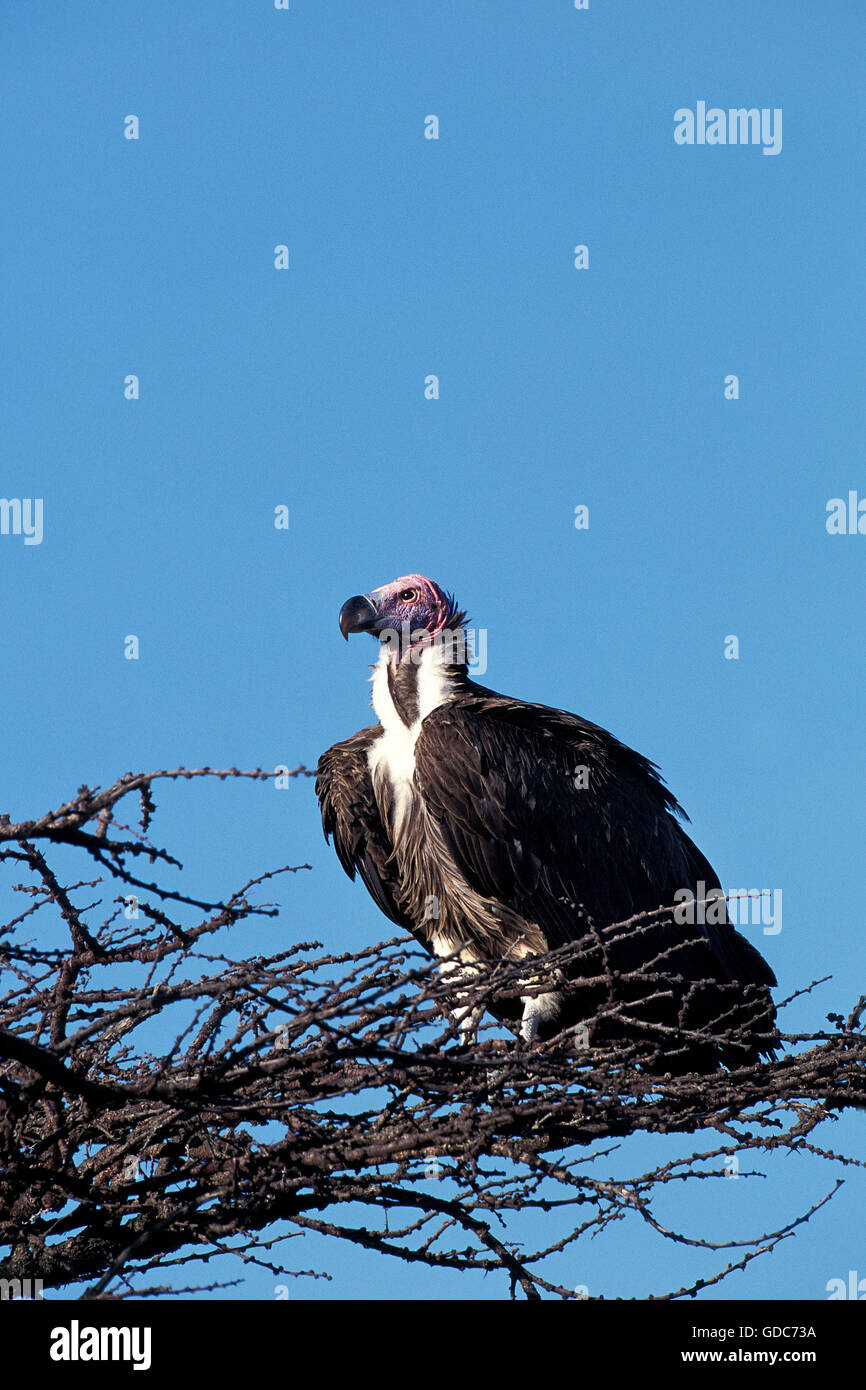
(117, 1162)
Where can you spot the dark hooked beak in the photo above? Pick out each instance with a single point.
(357, 615)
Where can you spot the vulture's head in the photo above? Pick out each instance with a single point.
(407, 614)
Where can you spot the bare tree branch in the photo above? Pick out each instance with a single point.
(117, 1163)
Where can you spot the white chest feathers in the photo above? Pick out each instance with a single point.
(392, 756)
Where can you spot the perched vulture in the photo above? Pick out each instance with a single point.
(494, 829)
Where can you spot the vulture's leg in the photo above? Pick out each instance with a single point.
(467, 1021)
(457, 969)
(537, 1009)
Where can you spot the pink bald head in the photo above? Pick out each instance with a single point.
(411, 603)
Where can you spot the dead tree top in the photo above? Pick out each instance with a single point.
(281, 1094)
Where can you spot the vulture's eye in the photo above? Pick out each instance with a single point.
(409, 595)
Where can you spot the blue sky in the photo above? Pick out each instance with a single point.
(558, 387)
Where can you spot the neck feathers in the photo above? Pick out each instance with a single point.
(405, 692)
